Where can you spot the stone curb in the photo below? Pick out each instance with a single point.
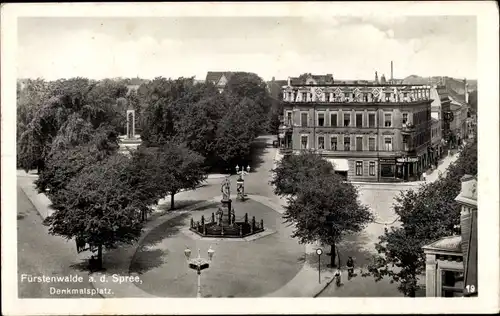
(324, 287)
(43, 210)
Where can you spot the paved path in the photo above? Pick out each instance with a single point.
(305, 283)
(40, 254)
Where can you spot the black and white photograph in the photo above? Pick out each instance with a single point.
(325, 152)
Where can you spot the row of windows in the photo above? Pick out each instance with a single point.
(365, 97)
(346, 122)
(359, 168)
(335, 146)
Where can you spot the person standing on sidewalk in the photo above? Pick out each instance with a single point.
(338, 277)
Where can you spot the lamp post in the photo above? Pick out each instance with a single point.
(319, 252)
(240, 183)
(199, 264)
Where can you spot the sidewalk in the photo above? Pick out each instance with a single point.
(307, 280)
(26, 182)
(442, 168)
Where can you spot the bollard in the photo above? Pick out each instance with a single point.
(253, 222)
(222, 230)
(262, 223)
(202, 220)
(192, 222)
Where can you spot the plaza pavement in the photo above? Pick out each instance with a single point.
(305, 282)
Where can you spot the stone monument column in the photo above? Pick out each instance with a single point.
(130, 123)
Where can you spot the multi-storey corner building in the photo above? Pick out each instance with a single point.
(370, 132)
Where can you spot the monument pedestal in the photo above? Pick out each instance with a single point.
(226, 208)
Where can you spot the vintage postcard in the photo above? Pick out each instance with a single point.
(250, 158)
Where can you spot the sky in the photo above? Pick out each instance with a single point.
(347, 47)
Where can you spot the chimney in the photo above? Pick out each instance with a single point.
(392, 74)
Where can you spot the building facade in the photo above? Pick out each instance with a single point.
(451, 262)
(436, 141)
(370, 132)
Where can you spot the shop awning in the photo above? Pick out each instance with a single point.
(339, 164)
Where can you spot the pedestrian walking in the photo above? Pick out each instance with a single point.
(338, 276)
(423, 177)
(350, 267)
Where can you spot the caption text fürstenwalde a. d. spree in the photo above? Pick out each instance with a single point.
(64, 285)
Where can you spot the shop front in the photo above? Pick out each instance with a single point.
(407, 168)
(387, 168)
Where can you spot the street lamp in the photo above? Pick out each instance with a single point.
(240, 183)
(199, 264)
(319, 252)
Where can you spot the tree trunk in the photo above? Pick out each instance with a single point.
(172, 201)
(99, 257)
(40, 165)
(332, 255)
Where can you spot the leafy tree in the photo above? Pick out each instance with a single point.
(177, 168)
(29, 99)
(275, 117)
(249, 85)
(98, 207)
(426, 215)
(94, 102)
(63, 165)
(34, 143)
(326, 208)
(236, 131)
(72, 151)
(293, 171)
(163, 108)
(198, 126)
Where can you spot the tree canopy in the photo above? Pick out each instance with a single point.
(60, 110)
(293, 171)
(219, 126)
(326, 209)
(321, 205)
(98, 206)
(426, 215)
